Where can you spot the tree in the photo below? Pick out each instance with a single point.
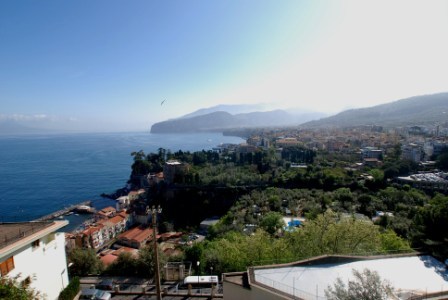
(11, 288)
(442, 160)
(145, 262)
(84, 262)
(331, 234)
(429, 226)
(272, 222)
(195, 252)
(125, 265)
(366, 285)
(344, 197)
(391, 242)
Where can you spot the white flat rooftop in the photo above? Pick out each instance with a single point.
(419, 274)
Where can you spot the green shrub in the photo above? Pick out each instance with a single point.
(71, 290)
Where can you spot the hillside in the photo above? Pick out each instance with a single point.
(419, 110)
(230, 108)
(221, 120)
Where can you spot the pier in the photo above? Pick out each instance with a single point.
(63, 211)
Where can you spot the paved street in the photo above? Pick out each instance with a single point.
(135, 286)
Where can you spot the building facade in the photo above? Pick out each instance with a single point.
(35, 252)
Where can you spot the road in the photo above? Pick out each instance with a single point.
(132, 288)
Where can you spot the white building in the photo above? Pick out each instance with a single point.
(371, 152)
(36, 252)
(412, 152)
(122, 203)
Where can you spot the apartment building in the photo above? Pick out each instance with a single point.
(35, 251)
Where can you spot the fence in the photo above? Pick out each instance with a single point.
(294, 292)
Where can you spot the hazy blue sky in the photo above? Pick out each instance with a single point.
(90, 63)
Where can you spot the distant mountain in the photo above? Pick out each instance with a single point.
(419, 110)
(17, 127)
(222, 120)
(230, 108)
(9, 127)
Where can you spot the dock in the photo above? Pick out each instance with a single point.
(63, 211)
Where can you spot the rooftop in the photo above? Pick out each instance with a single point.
(412, 274)
(138, 234)
(13, 233)
(428, 177)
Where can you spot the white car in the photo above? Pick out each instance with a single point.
(94, 294)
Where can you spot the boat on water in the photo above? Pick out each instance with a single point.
(84, 209)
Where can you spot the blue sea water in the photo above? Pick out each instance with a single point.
(40, 174)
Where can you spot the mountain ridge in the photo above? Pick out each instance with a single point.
(230, 108)
(421, 110)
(221, 120)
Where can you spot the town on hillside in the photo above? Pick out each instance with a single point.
(246, 221)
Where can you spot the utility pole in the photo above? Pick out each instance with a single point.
(154, 212)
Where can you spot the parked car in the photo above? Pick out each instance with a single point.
(106, 284)
(95, 294)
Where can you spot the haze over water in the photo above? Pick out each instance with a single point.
(40, 174)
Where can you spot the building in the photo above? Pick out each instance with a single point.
(172, 169)
(437, 181)
(412, 152)
(286, 142)
(36, 252)
(136, 237)
(123, 202)
(105, 213)
(109, 256)
(371, 152)
(103, 231)
(205, 225)
(245, 148)
(134, 195)
(371, 162)
(411, 275)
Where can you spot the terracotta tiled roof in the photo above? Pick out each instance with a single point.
(93, 229)
(171, 235)
(137, 234)
(116, 219)
(108, 259)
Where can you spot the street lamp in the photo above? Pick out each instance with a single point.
(154, 212)
(211, 271)
(197, 264)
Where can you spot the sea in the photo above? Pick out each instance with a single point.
(40, 174)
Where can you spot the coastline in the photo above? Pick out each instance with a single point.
(62, 212)
(84, 167)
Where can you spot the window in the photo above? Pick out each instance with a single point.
(51, 237)
(7, 266)
(35, 244)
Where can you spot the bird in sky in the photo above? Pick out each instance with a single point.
(162, 102)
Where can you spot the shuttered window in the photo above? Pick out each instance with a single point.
(7, 266)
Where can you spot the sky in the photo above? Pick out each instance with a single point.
(108, 64)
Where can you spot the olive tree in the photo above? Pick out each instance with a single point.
(366, 285)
